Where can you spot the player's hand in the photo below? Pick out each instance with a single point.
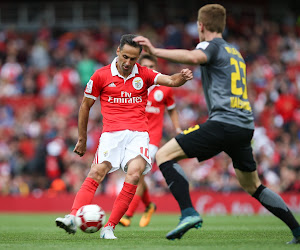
(187, 74)
(80, 148)
(145, 42)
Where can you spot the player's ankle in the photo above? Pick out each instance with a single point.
(296, 232)
(110, 224)
(190, 211)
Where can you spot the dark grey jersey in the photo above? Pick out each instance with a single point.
(224, 84)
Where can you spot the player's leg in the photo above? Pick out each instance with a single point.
(270, 200)
(150, 207)
(135, 162)
(106, 160)
(135, 169)
(239, 148)
(202, 141)
(176, 179)
(178, 184)
(126, 219)
(84, 196)
(146, 196)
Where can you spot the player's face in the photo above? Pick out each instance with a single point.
(127, 57)
(148, 63)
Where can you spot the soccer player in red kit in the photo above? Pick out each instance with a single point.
(123, 90)
(159, 98)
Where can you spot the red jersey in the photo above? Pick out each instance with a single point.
(159, 97)
(123, 101)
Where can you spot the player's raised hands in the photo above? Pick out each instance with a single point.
(145, 42)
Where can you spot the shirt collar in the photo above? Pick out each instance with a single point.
(115, 72)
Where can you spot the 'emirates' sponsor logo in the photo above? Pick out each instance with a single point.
(137, 99)
(125, 98)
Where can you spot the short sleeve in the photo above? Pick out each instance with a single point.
(151, 76)
(93, 87)
(209, 48)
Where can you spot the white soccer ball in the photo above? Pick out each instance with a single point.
(90, 218)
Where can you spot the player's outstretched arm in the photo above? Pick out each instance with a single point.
(194, 57)
(175, 80)
(83, 118)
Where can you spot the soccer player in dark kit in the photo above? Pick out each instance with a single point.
(229, 128)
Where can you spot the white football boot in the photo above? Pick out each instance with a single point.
(68, 223)
(107, 233)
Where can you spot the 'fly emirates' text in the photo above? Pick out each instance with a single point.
(125, 98)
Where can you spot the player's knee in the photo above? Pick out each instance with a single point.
(98, 172)
(160, 157)
(95, 175)
(133, 178)
(250, 188)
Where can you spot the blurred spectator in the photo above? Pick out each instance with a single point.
(39, 56)
(10, 74)
(66, 79)
(86, 67)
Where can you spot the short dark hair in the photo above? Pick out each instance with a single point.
(128, 39)
(149, 57)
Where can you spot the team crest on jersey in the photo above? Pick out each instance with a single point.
(137, 83)
(158, 95)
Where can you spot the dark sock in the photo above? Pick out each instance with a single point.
(190, 211)
(296, 232)
(178, 185)
(275, 204)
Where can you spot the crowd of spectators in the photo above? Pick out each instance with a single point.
(43, 76)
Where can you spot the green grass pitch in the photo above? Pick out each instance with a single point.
(38, 231)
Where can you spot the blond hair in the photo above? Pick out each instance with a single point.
(213, 17)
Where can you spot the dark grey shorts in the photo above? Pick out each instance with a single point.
(210, 138)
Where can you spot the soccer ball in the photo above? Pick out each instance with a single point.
(90, 218)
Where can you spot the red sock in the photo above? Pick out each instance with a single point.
(133, 205)
(85, 194)
(146, 198)
(121, 204)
